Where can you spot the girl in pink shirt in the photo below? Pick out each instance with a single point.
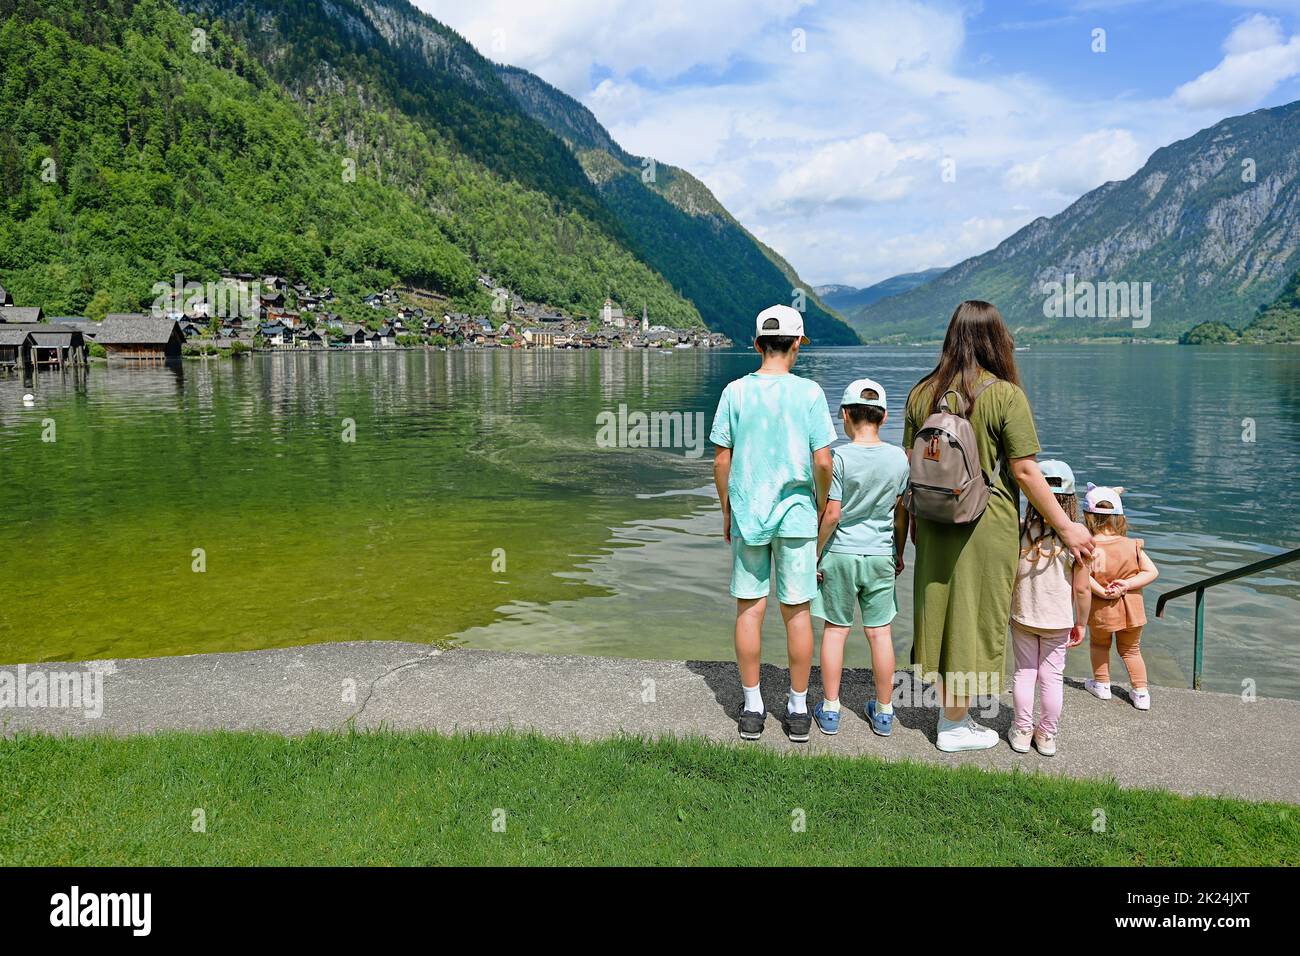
(1049, 608)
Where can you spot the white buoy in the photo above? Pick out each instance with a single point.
(29, 399)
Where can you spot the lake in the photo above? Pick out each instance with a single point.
(469, 498)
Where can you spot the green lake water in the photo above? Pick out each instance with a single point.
(476, 505)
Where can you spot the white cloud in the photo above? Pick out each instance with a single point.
(562, 42)
(1258, 57)
(849, 172)
(831, 155)
(899, 38)
(612, 101)
(1084, 164)
(1257, 32)
(842, 256)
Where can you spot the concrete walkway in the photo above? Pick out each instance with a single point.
(1191, 742)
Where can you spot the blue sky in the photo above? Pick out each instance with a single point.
(864, 138)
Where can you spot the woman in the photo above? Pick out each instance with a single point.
(964, 574)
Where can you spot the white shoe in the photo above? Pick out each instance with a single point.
(1019, 740)
(1046, 744)
(1097, 689)
(965, 735)
(1141, 698)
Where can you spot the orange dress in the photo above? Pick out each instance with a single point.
(1114, 558)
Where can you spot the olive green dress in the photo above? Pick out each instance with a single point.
(964, 574)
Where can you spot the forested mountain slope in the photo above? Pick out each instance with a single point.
(352, 144)
(677, 224)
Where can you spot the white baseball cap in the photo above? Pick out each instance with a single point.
(1053, 468)
(853, 394)
(1097, 494)
(789, 321)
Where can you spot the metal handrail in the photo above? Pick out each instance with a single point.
(1200, 587)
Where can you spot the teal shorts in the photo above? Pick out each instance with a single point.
(866, 580)
(796, 569)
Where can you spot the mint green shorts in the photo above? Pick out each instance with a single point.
(796, 569)
(865, 580)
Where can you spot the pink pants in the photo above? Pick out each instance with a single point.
(1040, 659)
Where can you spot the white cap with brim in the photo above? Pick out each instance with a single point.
(780, 320)
(853, 394)
(1103, 501)
(1053, 468)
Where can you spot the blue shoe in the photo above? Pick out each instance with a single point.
(828, 721)
(881, 724)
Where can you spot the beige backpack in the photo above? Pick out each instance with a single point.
(947, 483)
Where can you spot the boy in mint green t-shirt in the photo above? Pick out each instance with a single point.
(860, 544)
(772, 467)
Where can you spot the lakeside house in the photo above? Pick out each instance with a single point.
(268, 301)
(141, 338)
(31, 342)
(286, 317)
(15, 348)
(88, 327)
(42, 345)
(353, 336)
(540, 338)
(275, 333)
(58, 346)
(21, 315)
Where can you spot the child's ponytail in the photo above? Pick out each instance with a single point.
(1035, 529)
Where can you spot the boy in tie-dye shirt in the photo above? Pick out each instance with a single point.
(772, 467)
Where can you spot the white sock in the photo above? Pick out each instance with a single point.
(798, 703)
(831, 706)
(945, 723)
(884, 708)
(753, 699)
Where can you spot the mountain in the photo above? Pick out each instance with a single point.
(351, 143)
(847, 299)
(676, 224)
(825, 290)
(1278, 323)
(1212, 222)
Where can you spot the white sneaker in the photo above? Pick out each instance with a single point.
(1019, 740)
(1097, 689)
(1046, 744)
(1141, 698)
(965, 735)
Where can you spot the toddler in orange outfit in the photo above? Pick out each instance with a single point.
(1120, 569)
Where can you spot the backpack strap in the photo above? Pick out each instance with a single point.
(982, 388)
(944, 405)
(997, 462)
(961, 408)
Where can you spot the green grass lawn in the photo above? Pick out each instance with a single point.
(398, 799)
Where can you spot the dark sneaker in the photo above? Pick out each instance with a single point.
(751, 724)
(797, 726)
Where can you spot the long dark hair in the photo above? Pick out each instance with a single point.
(977, 340)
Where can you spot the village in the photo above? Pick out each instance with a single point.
(225, 318)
